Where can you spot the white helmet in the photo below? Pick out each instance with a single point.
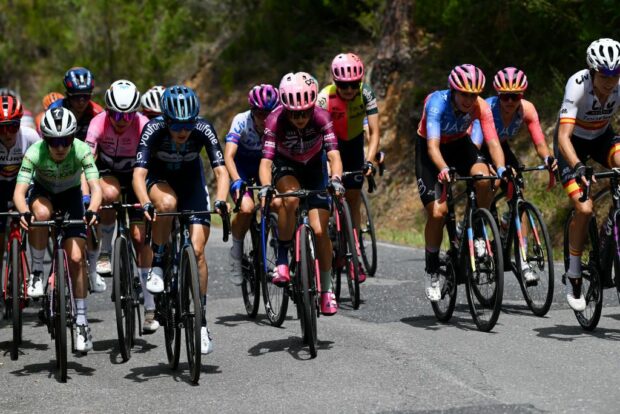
(122, 96)
(603, 55)
(151, 100)
(58, 122)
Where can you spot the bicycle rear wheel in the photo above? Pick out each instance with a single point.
(191, 310)
(591, 286)
(367, 237)
(308, 290)
(275, 298)
(250, 264)
(60, 315)
(123, 296)
(539, 258)
(16, 288)
(485, 279)
(351, 258)
(444, 307)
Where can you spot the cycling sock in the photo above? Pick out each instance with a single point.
(283, 248)
(523, 260)
(93, 256)
(326, 280)
(158, 255)
(574, 266)
(37, 259)
(149, 300)
(203, 307)
(432, 260)
(237, 248)
(80, 305)
(107, 232)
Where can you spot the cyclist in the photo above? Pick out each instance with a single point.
(113, 136)
(349, 101)
(242, 154)
(79, 84)
(151, 102)
(46, 102)
(56, 165)
(297, 136)
(510, 112)
(27, 119)
(443, 142)
(169, 176)
(15, 139)
(591, 98)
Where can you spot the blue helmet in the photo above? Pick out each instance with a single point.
(180, 104)
(79, 80)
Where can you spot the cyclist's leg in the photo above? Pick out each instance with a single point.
(239, 227)
(352, 156)
(41, 208)
(111, 189)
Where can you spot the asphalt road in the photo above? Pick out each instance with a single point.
(389, 356)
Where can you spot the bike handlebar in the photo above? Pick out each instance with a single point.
(186, 213)
(585, 195)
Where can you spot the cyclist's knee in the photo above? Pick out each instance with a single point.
(247, 206)
(166, 203)
(41, 211)
(584, 209)
(436, 211)
(290, 204)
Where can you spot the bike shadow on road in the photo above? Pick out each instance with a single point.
(293, 345)
(5, 347)
(238, 319)
(431, 323)
(524, 310)
(50, 367)
(162, 370)
(111, 345)
(569, 333)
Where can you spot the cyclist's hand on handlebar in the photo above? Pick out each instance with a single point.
(221, 207)
(580, 174)
(264, 192)
(86, 201)
(335, 184)
(25, 219)
(91, 218)
(551, 163)
(149, 211)
(235, 188)
(369, 168)
(444, 175)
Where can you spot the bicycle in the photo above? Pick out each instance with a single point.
(534, 244)
(178, 306)
(602, 253)
(367, 236)
(473, 257)
(305, 278)
(16, 279)
(125, 284)
(59, 311)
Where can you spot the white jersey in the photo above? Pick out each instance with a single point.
(582, 108)
(11, 159)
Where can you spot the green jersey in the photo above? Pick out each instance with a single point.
(57, 177)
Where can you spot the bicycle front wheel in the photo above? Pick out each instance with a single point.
(60, 315)
(538, 258)
(250, 264)
(16, 281)
(169, 300)
(351, 258)
(485, 279)
(191, 310)
(307, 274)
(367, 237)
(123, 298)
(274, 297)
(444, 307)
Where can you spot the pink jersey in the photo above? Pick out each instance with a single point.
(117, 151)
(282, 138)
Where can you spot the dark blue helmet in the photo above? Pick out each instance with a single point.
(180, 104)
(79, 80)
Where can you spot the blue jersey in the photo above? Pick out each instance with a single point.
(243, 133)
(158, 152)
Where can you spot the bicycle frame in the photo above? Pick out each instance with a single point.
(16, 233)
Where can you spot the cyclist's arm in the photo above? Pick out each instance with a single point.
(24, 178)
(497, 154)
(139, 184)
(230, 150)
(435, 154)
(84, 185)
(222, 181)
(573, 93)
(565, 131)
(264, 171)
(373, 140)
(95, 194)
(335, 163)
(530, 116)
(19, 197)
(487, 124)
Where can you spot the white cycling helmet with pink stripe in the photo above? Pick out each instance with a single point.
(466, 78)
(510, 80)
(298, 91)
(347, 67)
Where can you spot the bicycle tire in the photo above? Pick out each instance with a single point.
(589, 318)
(370, 263)
(123, 300)
(250, 264)
(352, 263)
(308, 294)
(170, 302)
(444, 307)
(275, 298)
(191, 310)
(485, 312)
(16, 276)
(60, 317)
(539, 296)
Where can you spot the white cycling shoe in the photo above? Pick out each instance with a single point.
(35, 285)
(83, 338)
(206, 342)
(104, 265)
(97, 284)
(155, 280)
(576, 304)
(433, 288)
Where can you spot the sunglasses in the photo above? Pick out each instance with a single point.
(300, 114)
(80, 97)
(348, 85)
(260, 113)
(9, 127)
(181, 126)
(57, 142)
(505, 97)
(121, 116)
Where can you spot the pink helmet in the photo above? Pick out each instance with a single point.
(347, 67)
(510, 80)
(263, 97)
(466, 78)
(298, 91)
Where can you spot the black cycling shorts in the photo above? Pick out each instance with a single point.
(312, 176)
(68, 201)
(352, 156)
